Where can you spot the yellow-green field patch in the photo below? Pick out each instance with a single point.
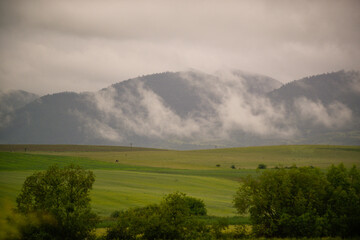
(247, 157)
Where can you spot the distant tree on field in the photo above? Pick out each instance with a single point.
(261, 166)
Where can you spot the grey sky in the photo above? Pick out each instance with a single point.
(52, 46)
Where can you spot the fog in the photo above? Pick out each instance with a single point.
(229, 108)
(334, 116)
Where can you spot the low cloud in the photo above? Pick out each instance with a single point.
(226, 109)
(95, 128)
(253, 115)
(335, 115)
(10, 101)
(137, 109)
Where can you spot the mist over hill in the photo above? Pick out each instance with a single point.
(10, 101)
(190, 110)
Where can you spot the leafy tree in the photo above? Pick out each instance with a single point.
(64, 194)
(302, 202)
(343, 205)
(171, 219)
(283, 202)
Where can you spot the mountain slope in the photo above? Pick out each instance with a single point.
(11, 101)
(325, 108)
(339, 86)
(337, 93)
(187, 110)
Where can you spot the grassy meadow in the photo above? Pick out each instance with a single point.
(130, 177)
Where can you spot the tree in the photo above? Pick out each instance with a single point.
(64, 194)
(171, 219)
(302, 202)
(283, 203)
(343, 203)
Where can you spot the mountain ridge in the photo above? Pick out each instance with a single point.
(193, 110)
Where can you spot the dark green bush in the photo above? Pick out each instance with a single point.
(171, 219)
(261, 166)
(196, 206)
(115, 214)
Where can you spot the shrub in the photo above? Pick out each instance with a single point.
(196, 206)
(115, 214)
(261, 166)
(171, 219)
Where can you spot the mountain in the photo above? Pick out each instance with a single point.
(11, 101)
(192, 110)
(339, 86)
(184, 92)
(324, 108)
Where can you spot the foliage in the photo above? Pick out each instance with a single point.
(171, 219)
(32, 226)
(12, 223)
(218, 228)
(64, 195)
(343, 201)
(196, 206)
(261, 166)
(302, 202)
(115, 214)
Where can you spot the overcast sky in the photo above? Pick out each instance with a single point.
(52, 46)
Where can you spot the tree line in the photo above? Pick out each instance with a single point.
(295, 202)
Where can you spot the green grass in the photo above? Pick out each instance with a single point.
(143, 176)
(24, 161)
(10, 184)
(116, 189)
(248, 157)
(69, 148)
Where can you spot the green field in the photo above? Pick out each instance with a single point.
(142, 176)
